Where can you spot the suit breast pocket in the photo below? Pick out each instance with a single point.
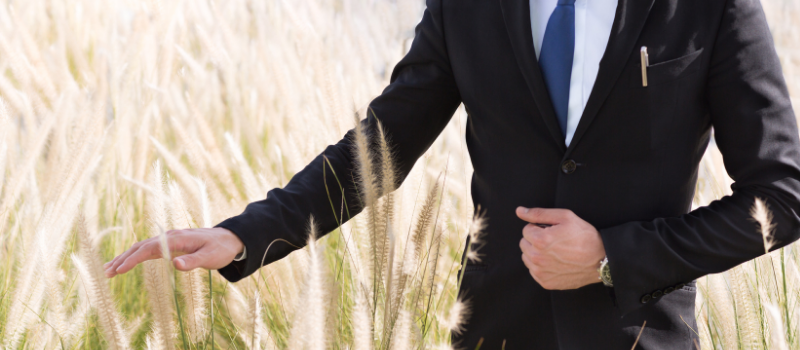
(665, 71)
(646, 118)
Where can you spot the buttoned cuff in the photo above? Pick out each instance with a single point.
(241, 268)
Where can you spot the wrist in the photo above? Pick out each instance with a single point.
(236, 244)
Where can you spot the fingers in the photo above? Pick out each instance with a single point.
(526, 261)
(108, 264)
(150, 249)
(527, 248)
(535, 257)
(532, 269)
(544, 215)
(190, 261)
(544, 277)
(540, 238)
(111, 270)
(113, 261)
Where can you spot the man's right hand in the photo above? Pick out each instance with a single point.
(209, 248)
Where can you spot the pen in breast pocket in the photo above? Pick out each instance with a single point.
(645, 64)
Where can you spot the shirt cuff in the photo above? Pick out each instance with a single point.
(241, 256)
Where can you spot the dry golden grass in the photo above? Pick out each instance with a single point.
(121, 119)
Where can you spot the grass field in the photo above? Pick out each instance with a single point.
(121, 119)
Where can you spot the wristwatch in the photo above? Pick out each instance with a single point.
(605, 272)
(241, 256)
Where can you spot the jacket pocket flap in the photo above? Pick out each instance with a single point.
(666, 71)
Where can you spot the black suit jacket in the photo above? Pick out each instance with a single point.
(630, 170)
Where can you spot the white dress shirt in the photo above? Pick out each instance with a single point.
(593, 20)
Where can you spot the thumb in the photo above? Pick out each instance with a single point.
(189, 262)
(543, 216)
(532, 215)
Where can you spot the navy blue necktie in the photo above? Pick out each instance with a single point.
(555, 58)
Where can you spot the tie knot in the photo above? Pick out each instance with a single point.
(566, 2)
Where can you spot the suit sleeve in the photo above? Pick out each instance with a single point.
(414, 109)
(756, 132)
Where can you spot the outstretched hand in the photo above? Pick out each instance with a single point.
(563, 255)
(209, 248)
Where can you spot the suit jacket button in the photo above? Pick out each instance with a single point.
(657, 294)
(669, 290)
(568, 166)
(646, 298)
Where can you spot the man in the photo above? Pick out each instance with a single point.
(599, 110)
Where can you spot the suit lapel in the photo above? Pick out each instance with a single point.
(628, 23)
(516, 14)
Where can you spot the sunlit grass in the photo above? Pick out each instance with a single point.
(230, 99)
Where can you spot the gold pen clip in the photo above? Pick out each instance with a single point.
(645, 64)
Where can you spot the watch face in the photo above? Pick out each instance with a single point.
(606, 273)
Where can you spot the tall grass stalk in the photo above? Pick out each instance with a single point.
(120, 120)
(89, 265)
(157, 278)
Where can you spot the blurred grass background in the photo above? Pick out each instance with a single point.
(120, 116)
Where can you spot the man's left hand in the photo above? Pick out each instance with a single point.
(566, 254)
